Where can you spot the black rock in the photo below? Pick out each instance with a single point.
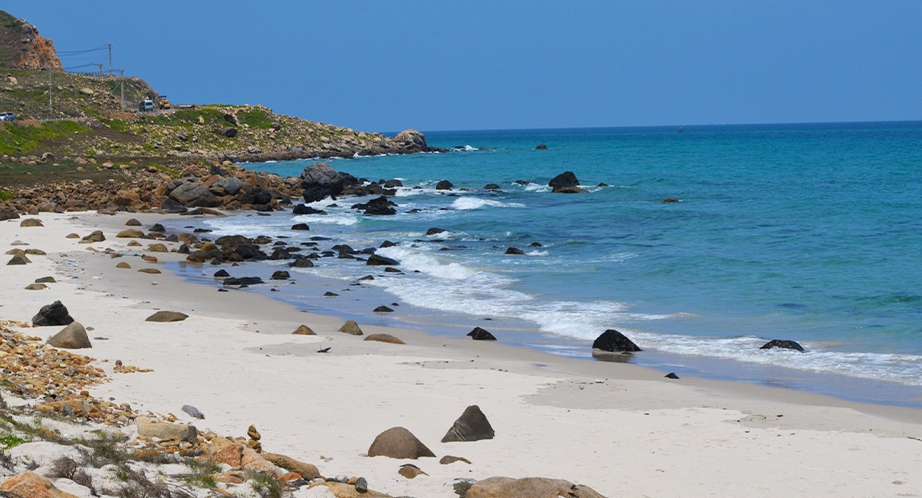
(387, 243)
(280, 275)
(491, 186)
(393, 184)
(280, 253)
(229, 132)
(52, 314)
(242, 281)
(375, 260)
(541, 147)
(444, 185)
(383, 309)
(613, 341)
(783, 344)
(435, 231)
(672, 375)
(320, 181)
(171, 238)
(171, 206)
(514, 250)
(304, 209)
(202, 230)
(472, 425)
(479, 334)
(221, 274)
(379, 206)
(536, 244)
(300, 226)
(564, 180)
(157, 227)
(183, 249)
(301, 263)
(330, 294)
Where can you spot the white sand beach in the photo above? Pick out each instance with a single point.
(621, 429)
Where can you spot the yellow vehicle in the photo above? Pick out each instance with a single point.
(163, 103)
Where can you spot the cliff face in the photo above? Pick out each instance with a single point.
(21, 47)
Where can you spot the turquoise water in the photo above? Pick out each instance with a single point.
(804, 232)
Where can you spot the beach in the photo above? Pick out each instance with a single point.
(621, 429)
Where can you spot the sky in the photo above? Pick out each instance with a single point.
(477, 65)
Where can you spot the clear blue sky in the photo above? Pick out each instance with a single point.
(440, 65)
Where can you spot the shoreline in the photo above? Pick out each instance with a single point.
(231, 361)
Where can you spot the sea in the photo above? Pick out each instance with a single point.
(804, 232)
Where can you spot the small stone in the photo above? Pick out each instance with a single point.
(514, 250)
(152, 271)
(71, 236)
(31, 222)
(167, 316)
(361, 485)
(132, 223)
(131, 233)
(18, 260)
(448, 459)
(672, 375)
(480, 334)
(253, 433)
(36, 287)
(192, 411)
(45, 280)
(410, 471)
(123, 265)
(72, 336)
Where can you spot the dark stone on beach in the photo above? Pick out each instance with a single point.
(379, 206)
(172, 207)
(541, 147)
(45, 280)
(491, 186)
(435, 231)
(783, 344)
(8, 215)
(279, 253)
(262, 239)
(383, 309)
(167, 316)
(387, 243)
(304, 209)
(514, 250)
(52, 314)
(375, 260)
(449, 459)
(242, 281)
(18, 260)
(330, 294)
(183, 249)
(280, 275)
(300, 226)
(472, 425)
(444, 185)
(133, 222)
(399, 443)
(613, 341)
(479, 334)
(301, 263)
(221, 274)
(193, 412)
(672, 375)
(202, 230)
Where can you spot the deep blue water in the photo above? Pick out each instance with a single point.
(806, 232)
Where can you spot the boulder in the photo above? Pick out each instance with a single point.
(229, 132)
(45, 280)
(133, 222)
(491, 186)
(167, 316)
(280, 275)
(131, 233)
(72, 336)
(783, 344)
(31, 222)
(514, 250)
(411, 141)
(157, 248)
(384, 338)
(565, 179)
(163, 430)
(340, 490)
(226, 186)
(379, 206)
(375, 260)
(301, 263)
(123, 265)
(613, 341)
(234, 281)
(305, 470)
(36, 287)
(303, 330)
(444, 185)
(223, 450)
(221, 274)
(193, 412)
(173, 207)
(383, 309)
(435, 231)
(472, 425)
(300, 226)
(320, 181)
(31, 485)
(479, 334)
(529, 487)
(303, 209)
(18, 260)
(95, 236)
(194, 194)
(52, 314)
(350, 327)
(400, 443)
(541, 147)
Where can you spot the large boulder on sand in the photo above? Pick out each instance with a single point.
(398, 442)
(320, 181)
(72, 336)
(472, 425)
(529, 487)
(52, 314)
(194, 194)
(613, 341)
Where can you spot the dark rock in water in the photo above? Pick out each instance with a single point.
(613, 341)
(566, 183)
(479, 334)
(393, 184)
(400, 443)
(72, 337)
(570, 190)
(304, 209)
(167, 316)
(383, 309)
(379, 206)
(320, 181)
(669, 200)
(242, 281)
(366, 278)
(221, 274)
(280, 275)
(279, 253)
(444, 185)
(157, 227)
(603, 184)
(262, 239)
(202, 230)
(435, 231)
(193, 412)
(375, 260)
(300, 226)
(301, 263)
(672, 375)
(536, 244)
(52, 314)
(514, 250)
(521, 182)
(330, 294)
(491, 186)
(413, 141)
(472, 425)
(541, 147)
(783, 344)
(387, 243)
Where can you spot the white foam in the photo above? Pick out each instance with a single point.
(469, 203)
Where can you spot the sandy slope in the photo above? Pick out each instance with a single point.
(621, 429)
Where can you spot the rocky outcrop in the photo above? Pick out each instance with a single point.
(31, 485)
(410, 141)
(320, 181)
(21, 47)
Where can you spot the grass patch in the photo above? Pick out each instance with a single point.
(255, 118)
(24, 138)
(5, 196)
(11, 441)
(266, 485)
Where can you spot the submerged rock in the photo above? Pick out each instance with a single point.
(783, 344)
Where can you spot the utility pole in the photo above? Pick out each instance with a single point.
(100, 68)
(50, 83)
(110, 59)
(122, 83)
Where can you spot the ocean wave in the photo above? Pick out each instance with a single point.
(469, 203)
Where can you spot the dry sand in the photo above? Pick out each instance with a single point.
(621, 429)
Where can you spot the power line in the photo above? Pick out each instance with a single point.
(78, 52)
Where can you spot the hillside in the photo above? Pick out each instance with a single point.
(21, 47)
